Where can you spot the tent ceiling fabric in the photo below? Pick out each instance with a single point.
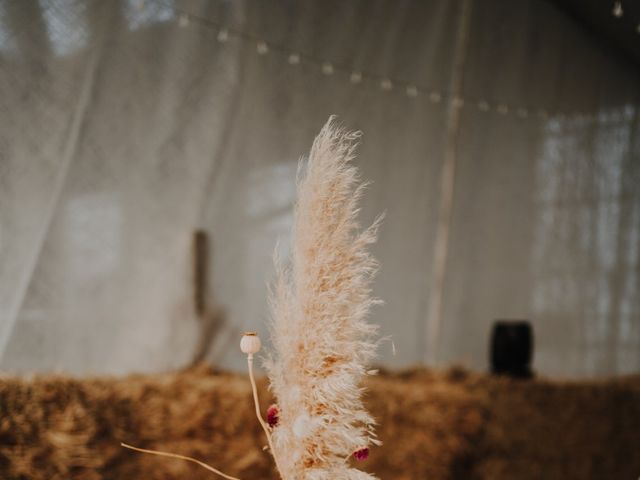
(124, 129)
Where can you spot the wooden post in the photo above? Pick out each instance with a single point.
(200, 270)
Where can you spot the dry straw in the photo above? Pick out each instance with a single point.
(321, 338)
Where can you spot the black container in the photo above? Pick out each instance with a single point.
(512, 348)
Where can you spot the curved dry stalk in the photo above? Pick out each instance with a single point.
(263, 424)
(180, 457)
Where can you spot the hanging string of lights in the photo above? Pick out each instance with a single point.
(357, 77)
(617, 11)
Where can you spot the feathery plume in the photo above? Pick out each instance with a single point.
(321, 337)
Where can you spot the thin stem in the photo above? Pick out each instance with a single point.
(181, 457)
(256, 402)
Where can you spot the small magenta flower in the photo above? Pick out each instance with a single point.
(361, 454)
(273, 416)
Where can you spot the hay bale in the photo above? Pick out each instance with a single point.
(437, 425)
(561, 430)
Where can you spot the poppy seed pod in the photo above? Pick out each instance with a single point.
(250, 343)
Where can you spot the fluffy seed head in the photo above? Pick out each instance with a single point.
(320, 303)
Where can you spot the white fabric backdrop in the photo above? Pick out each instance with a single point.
(123, 131)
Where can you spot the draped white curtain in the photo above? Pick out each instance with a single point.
(126, 125)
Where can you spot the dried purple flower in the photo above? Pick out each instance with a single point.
(361, 454)
(273, 416)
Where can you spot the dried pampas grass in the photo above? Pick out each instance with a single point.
(322, 341)
(321, 337)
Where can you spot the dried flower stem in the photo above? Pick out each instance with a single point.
(322, 340)
(256, 402)
(181, 457)
(263, 424)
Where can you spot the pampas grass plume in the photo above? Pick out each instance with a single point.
(321, 338)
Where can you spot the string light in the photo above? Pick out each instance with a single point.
(294, 59)
(386, 84)
(327, 68)
(412, 91)
(223, 36)
(483, 106)
(356, 77)
(183, 20)
(435, 97)
(262, 48)
(617, 10)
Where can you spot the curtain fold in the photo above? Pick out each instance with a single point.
(129, 124)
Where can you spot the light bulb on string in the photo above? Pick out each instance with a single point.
(294, 59)
(223, 36)
(412, 91)
(355, 77)
(262, 48)
(435, 97)
(327, 68)
(617, 9)
(183, 20)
